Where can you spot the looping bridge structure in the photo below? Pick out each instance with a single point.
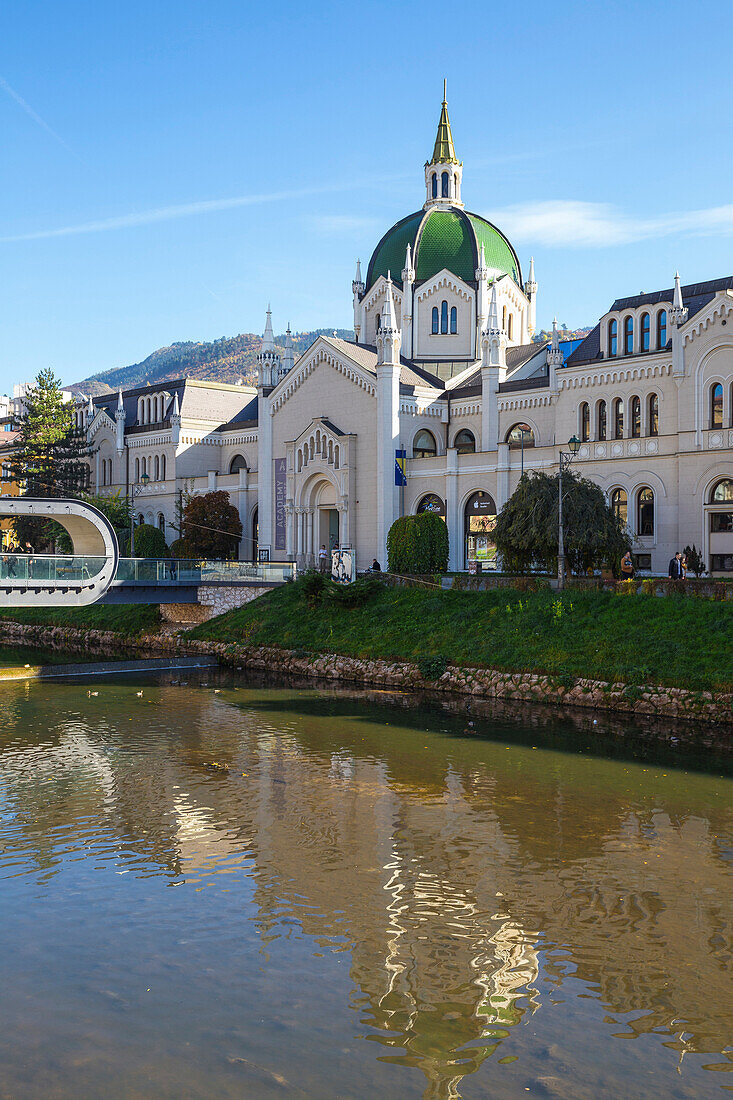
(74, 581)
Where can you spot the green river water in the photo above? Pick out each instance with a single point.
(376, 899)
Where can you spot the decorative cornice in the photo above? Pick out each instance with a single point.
(608, 376)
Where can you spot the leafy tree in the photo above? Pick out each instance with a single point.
(51, 452)
(149, 542)
(418, 544)
(210, 527)
(527, 527)
(695, 561)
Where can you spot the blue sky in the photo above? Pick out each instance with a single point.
(168, 168)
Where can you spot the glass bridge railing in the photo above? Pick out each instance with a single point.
(67, 569)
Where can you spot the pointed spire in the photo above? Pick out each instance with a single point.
(357, 277)
(388, 313)
(268, 340)
(493, 324)
(677, 299)
(444, 151)
(176, 406)
(120, 405)
(90, 407)
(482, 256)
(555, 335)
(288, 361)
(531, 269)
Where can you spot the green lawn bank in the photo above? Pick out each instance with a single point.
(676, 641)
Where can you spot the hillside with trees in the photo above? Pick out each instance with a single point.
(225, 360)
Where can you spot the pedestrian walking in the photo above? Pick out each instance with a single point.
(683, 563)
(627, 566)
(675, 567)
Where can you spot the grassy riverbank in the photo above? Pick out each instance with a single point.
(127, 619)
(681, 642)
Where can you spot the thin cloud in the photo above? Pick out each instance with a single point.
(342, 223)
(568, 224)
(33, 114)
(169, 213)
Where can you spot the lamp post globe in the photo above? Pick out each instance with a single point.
(573, 444)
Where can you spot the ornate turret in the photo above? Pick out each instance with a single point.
(408, 283)
(268, 359)
(443, 172)
(120, 417)
(530, 289)
(289, 358)
(389, 337)
(357, 289)
(493, 341)
(678, 312)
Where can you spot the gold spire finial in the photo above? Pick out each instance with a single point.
(444, 152)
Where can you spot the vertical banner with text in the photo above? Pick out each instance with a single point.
(280, 489)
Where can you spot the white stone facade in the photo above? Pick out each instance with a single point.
(444, 368)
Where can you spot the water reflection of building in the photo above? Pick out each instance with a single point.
(437, 870)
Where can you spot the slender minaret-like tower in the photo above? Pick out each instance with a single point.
(408, 284)
(389, 341)
(289, 358)
(530, 289)
(443, 172)
(357, 289)
(677, 316)
(120, 417)
(268, 359)
(493, 373)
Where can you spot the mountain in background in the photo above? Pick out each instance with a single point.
(226, 360)
(563, 332)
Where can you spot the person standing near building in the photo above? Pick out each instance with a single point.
(675, 567)
(627, 566)
(322, 558)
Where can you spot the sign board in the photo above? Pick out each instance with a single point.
(263, 554)
(343, 565)
(280, 491)
(400, 478)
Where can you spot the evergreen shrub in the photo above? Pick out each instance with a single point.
(150, 542)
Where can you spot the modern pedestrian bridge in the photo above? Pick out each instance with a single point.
(95, 573)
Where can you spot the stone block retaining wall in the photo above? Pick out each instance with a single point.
(699, 706)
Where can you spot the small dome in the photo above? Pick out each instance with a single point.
(443, 238)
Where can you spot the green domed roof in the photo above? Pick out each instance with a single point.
(441, 238)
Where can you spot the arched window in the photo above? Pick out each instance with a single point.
(503, 318)
(585, 422)
(465, 442)
(140, 410)
(628, 335)
(434, 185)
(716, 406)
(479, 518)
(444, 186)
(443, 317)
(645, 512)
(238, 463)
(620, 504)
(436, 322)
(424, 444)
(432, 503)
(157, 468)
(510, 327)
(635, 417)
(144, 465)
(377, 323)
(140, 519)
(653, 414)
(453, 320)
(104, 471)
(722, 493)
(662, 328)
(645, 332)
(161, 523)
(601, 424)
(137, 469)
(162, 467)
(612, 337)
(618, 418)
(518, 435)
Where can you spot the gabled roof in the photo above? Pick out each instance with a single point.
(587, 349)
(365, 355)
(516, 357)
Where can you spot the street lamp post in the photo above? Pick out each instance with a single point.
(566, 457)
(135, 491)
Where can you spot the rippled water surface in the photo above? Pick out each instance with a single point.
(273, 892)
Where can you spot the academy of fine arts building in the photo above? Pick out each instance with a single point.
(444, 368)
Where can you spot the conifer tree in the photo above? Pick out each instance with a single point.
(50, 457)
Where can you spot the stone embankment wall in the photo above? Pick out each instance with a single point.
(699, 706)
(214, 599)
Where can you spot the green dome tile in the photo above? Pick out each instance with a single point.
(445, 241)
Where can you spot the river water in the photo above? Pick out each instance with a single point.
(374, 900)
